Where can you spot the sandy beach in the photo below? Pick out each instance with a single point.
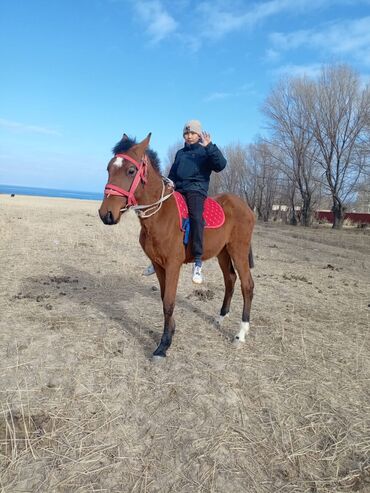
(83, 408)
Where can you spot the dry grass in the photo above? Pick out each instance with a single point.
(83, 409)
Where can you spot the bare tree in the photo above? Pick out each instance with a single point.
(293, 143)
(216, 184)
(233, 177)
(264, 182)
(170, 157)
(248, 179)
(340, 115)
(288, 196)
(251, 175)
(362, 202)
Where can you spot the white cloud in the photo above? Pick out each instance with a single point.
(214, 96)
(244, 89)
(312, 70)
(160, 23)
(216, 21)
(339, 39)
(220, 18)
(26, 128)
(272, 55)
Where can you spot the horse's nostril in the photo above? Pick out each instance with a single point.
(108, 218)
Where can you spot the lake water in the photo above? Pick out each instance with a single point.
(49, 192)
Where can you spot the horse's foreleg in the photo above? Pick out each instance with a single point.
(229, 274)
(161, 276)
(168, 298)
(247, 286)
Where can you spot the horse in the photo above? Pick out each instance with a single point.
(135, 181)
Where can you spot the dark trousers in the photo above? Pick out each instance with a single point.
(195, 202)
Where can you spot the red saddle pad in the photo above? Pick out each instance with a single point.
(213, 214)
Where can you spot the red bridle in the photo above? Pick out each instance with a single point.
(142, 171)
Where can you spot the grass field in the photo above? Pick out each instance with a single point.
(83, 408)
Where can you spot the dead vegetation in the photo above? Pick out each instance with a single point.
(83, 408)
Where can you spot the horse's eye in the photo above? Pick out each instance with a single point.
(131, 171)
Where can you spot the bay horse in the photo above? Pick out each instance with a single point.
(134, 181)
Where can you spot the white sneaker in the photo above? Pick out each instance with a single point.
(197, 275)
(149, 270)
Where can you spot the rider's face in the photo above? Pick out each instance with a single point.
(191, 137)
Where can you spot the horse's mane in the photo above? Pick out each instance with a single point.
(126, 144)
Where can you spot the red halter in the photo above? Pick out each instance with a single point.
(142, 171)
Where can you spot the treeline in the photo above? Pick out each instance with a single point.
(316, 152)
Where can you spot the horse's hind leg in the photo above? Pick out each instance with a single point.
(242, 267)
(229, 279)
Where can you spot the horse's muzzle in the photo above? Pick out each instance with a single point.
(108, 219)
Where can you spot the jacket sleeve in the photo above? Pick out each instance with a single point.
(218, 162)
(171, 174)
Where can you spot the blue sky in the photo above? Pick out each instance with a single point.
(76, 74)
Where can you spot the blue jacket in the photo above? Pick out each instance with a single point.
(193, 166)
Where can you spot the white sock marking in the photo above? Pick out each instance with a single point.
(244, 329)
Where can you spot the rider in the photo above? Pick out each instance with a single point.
(190, 174)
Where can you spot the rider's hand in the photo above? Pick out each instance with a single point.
(205, 139)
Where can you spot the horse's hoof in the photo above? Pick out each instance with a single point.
(237, 343)
(220, 320)
(158, 359)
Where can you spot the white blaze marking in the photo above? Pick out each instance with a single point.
(118, 162)
(244, 329)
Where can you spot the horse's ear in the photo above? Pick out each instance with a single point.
(147, 140)
(124, 137)
(143, 145)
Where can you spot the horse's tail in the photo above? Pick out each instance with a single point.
(250, 258)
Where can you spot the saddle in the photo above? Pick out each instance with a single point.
(213, 214)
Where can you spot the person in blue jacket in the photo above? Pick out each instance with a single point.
(190, 173)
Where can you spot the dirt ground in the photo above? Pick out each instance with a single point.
(83, 408)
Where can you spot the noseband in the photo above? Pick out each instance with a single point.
(141, 175)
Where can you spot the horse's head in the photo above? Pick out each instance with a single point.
(127, 173)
